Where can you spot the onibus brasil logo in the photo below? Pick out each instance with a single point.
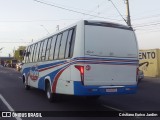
(34, 73)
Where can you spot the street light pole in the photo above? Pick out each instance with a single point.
(57, 28)
(1, 48)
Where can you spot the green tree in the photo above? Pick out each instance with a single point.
(16, 53)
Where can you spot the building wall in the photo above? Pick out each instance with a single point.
(149, 62)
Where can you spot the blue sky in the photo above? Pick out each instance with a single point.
(24, 21)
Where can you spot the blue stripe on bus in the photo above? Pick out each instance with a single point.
(81, 90)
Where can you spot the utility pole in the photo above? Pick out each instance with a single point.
(128, 13)
(128, 20)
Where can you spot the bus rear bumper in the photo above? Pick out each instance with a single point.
(81, 90)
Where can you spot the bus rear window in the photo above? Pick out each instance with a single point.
(109, 41)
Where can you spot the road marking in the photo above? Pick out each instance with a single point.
(20, 78)
(8, 106)
(113, 108)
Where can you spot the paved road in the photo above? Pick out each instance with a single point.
(11, 88)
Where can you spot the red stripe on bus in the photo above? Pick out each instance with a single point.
(56, 79)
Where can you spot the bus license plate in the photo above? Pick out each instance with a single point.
(111, 90)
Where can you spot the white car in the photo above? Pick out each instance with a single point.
(19, 66)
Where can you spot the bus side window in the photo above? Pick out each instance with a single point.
(27, 56)
(48, 48)
(57, 46)
(51, 52)
(72, 43)
(37, 51)
(34, 53)
(30, 51)
(44, 50)
(63, 44)
(69, 44)
(40, 51)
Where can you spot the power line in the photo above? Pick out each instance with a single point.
(148, 25)
(71, 10)
(118, 11)
(98, 6)
(102, 10)
(70, 7)
(35, 20)
(148, 31)
(147, 17)
(150, 28)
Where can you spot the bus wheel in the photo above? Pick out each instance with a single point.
(27, 87)
(49, 94)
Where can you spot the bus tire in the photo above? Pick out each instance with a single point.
(26, 86)
(49, 94)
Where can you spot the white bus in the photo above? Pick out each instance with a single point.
(88, 58)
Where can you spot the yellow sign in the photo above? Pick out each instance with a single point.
(148, 62)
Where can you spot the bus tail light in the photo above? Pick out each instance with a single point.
(81, 70)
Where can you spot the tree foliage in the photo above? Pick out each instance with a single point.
(16, 53)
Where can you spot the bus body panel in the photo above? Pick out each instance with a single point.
(101, 72)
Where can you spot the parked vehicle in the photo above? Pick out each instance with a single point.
(7, 65)
(19, 66)
(13, 63)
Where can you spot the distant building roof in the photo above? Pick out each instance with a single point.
(6, 58)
